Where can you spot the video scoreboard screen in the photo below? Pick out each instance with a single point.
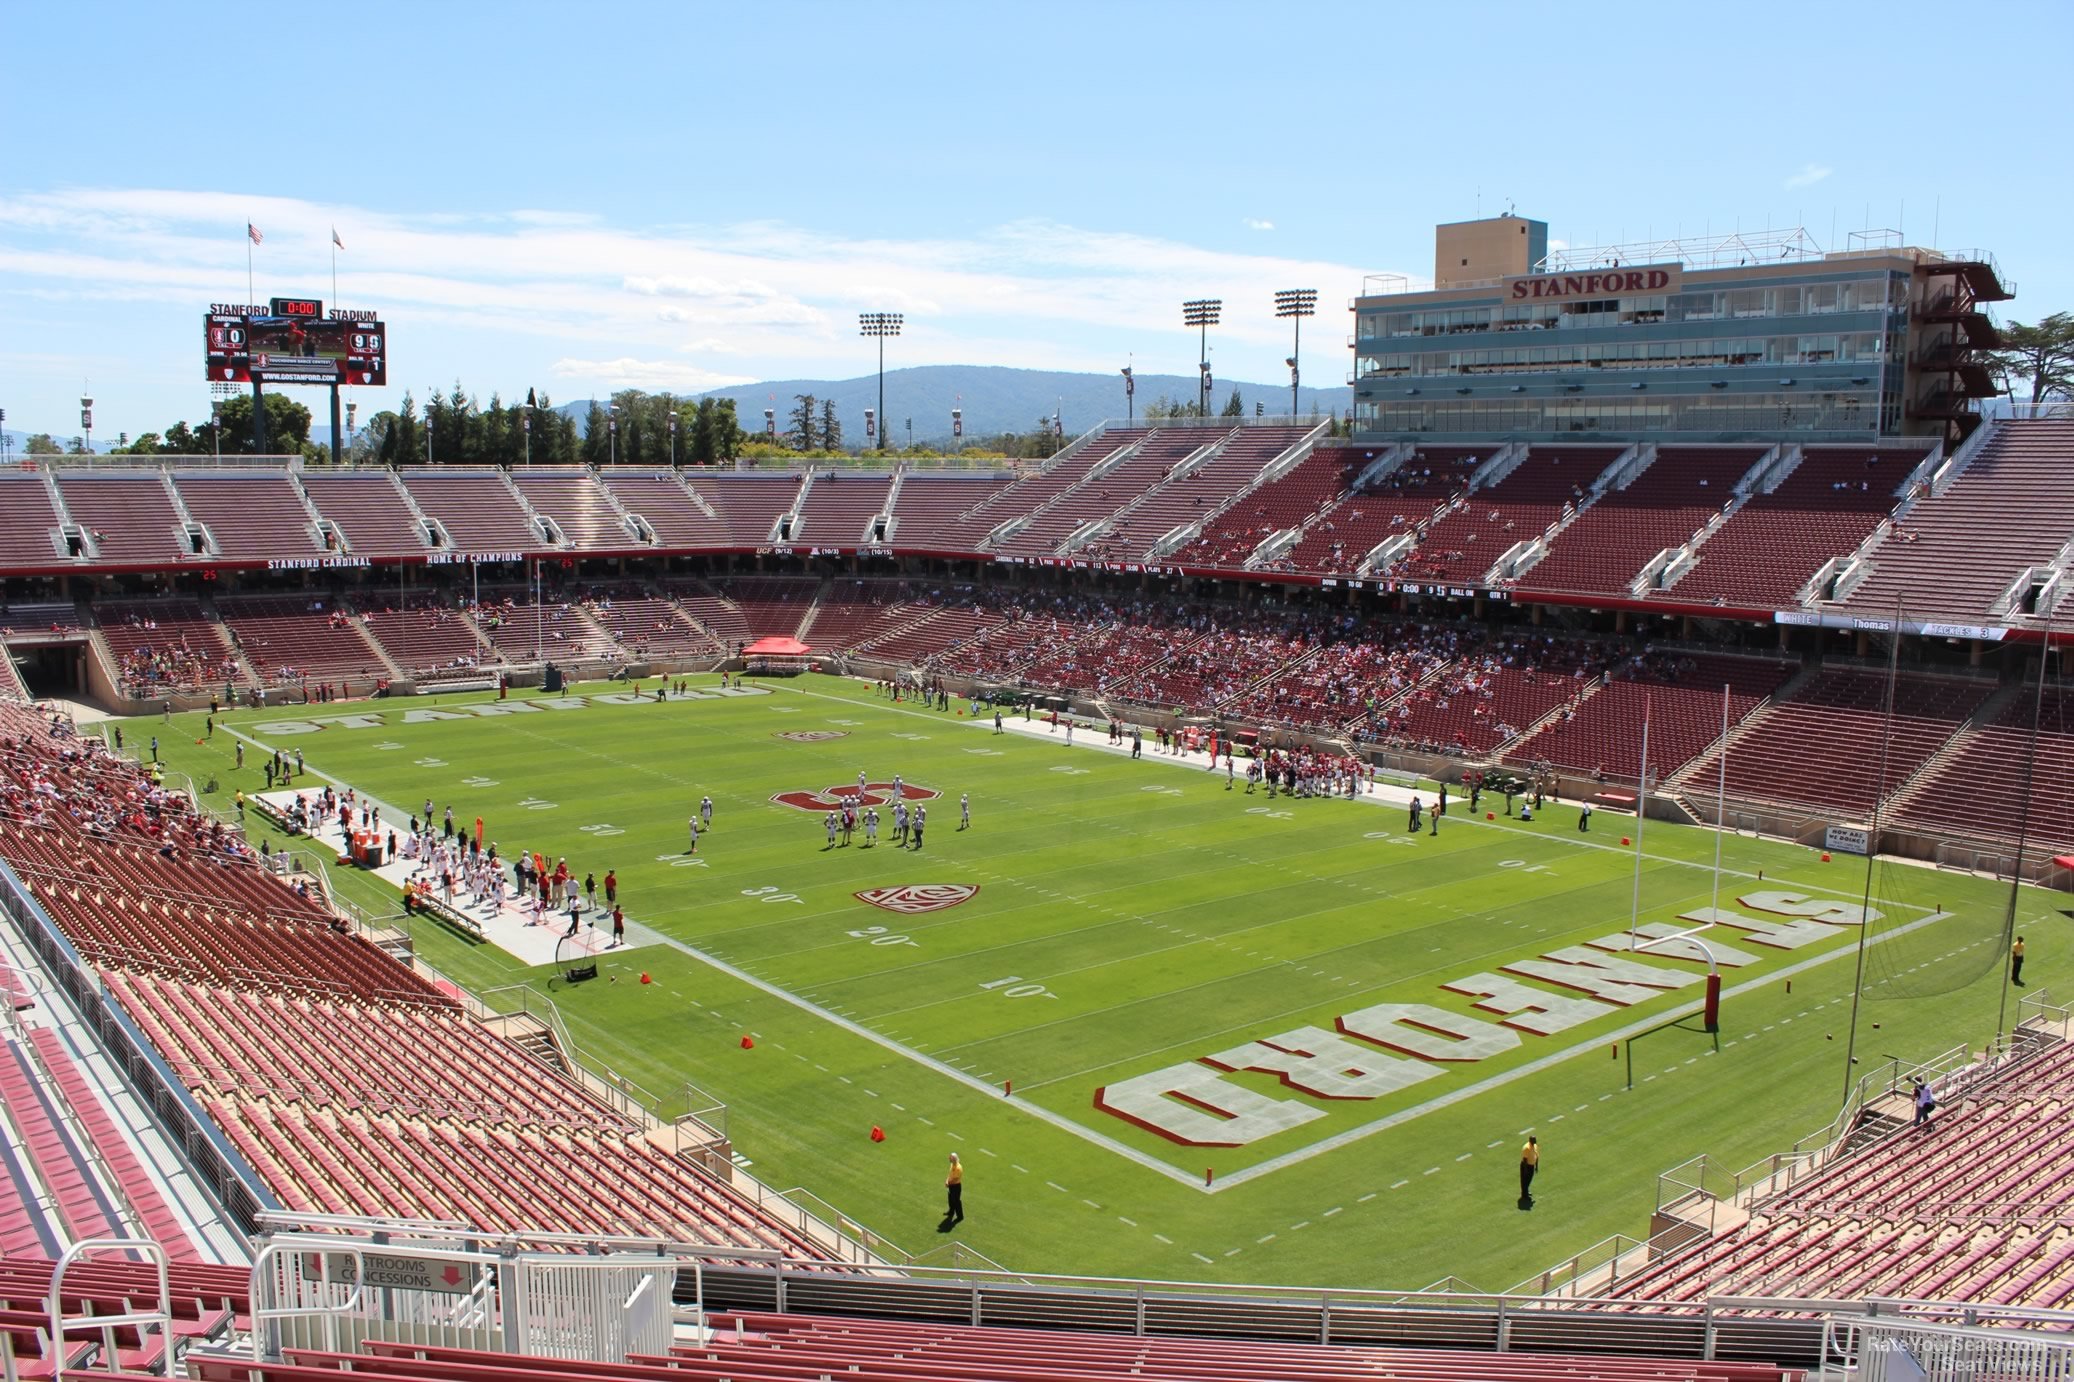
(295, 341)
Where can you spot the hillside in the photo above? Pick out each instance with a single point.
(995, 400)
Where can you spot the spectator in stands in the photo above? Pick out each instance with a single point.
(1925, 1102)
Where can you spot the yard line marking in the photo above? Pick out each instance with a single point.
(1234, 1252)
(1371, 1194)
(1024, 1169)
(1493, 1143)
(1332, 1211)
(1305, 1224)
(872, 1092)
(1582, 1107)
(1089, 1203)
(1056, 1186)
(1430, 1171)
(984, 1152)
(1602, 1099)
(1465, 1156)
(1266, 1238)
(1207, 1262)
(1170, 1242)
(1398, 1186)
(920, 1119)
(846, 1079)
(954, 1137)
(1121, 1220)
(901, 1107)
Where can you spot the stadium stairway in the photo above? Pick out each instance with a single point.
(116, 1168)
(1925, 778)
(806, 621)
(1688, 782)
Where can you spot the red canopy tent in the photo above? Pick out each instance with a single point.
(776, 646)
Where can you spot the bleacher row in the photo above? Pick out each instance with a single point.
(1740, 526)
(1969, 1210)
(350, 1083)
(810, 1348)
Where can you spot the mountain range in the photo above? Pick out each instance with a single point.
(994, 399)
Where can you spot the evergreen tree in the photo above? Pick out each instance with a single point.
(832, 428)
(801, 432)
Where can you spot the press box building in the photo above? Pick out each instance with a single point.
(1737, 337)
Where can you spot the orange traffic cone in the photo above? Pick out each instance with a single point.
(748, 1042)
(645, 979)
(878, 1134)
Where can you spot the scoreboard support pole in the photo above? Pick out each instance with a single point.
(258, 416)
(334, 423)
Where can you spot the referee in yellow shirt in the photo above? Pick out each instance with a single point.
(1529, 1163)
(954, 1189)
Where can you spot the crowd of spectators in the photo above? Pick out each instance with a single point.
(53, 777)
(151, 668)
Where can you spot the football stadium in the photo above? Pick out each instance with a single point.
(1560, 872)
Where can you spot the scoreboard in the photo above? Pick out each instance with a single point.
(295, 341)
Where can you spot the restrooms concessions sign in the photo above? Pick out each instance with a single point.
(1595, 283)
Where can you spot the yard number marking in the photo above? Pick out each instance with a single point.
(1014, 987)
(876, 935)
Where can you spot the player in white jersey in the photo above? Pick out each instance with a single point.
(871, 826)
(964, 810)
(830, 823)
(706, 812)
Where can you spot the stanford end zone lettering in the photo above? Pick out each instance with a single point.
(1388, 1047)
(1599, 283)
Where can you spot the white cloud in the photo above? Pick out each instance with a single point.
(499, 298)
(628, 372)
(1809, 175)
(1255, 223)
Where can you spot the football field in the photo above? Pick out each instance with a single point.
(1173, 1028)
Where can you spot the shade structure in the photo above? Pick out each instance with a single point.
(777, 646)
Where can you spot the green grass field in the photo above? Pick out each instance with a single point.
(1133, 918)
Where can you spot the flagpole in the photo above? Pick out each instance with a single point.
(248, 260)
(334, 268)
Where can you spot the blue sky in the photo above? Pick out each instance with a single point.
(578, 197)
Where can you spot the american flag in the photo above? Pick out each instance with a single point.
(252, 231)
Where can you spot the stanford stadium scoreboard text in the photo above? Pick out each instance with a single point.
(295, 341)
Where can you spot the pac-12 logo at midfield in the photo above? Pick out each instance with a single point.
(913, 898)
(870, 794)
(809, 736)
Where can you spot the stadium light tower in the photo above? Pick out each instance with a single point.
(1202, 313)
(1130, 397)
(612, 430)
(880, 325)
(86, 420)
(1296, 304)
